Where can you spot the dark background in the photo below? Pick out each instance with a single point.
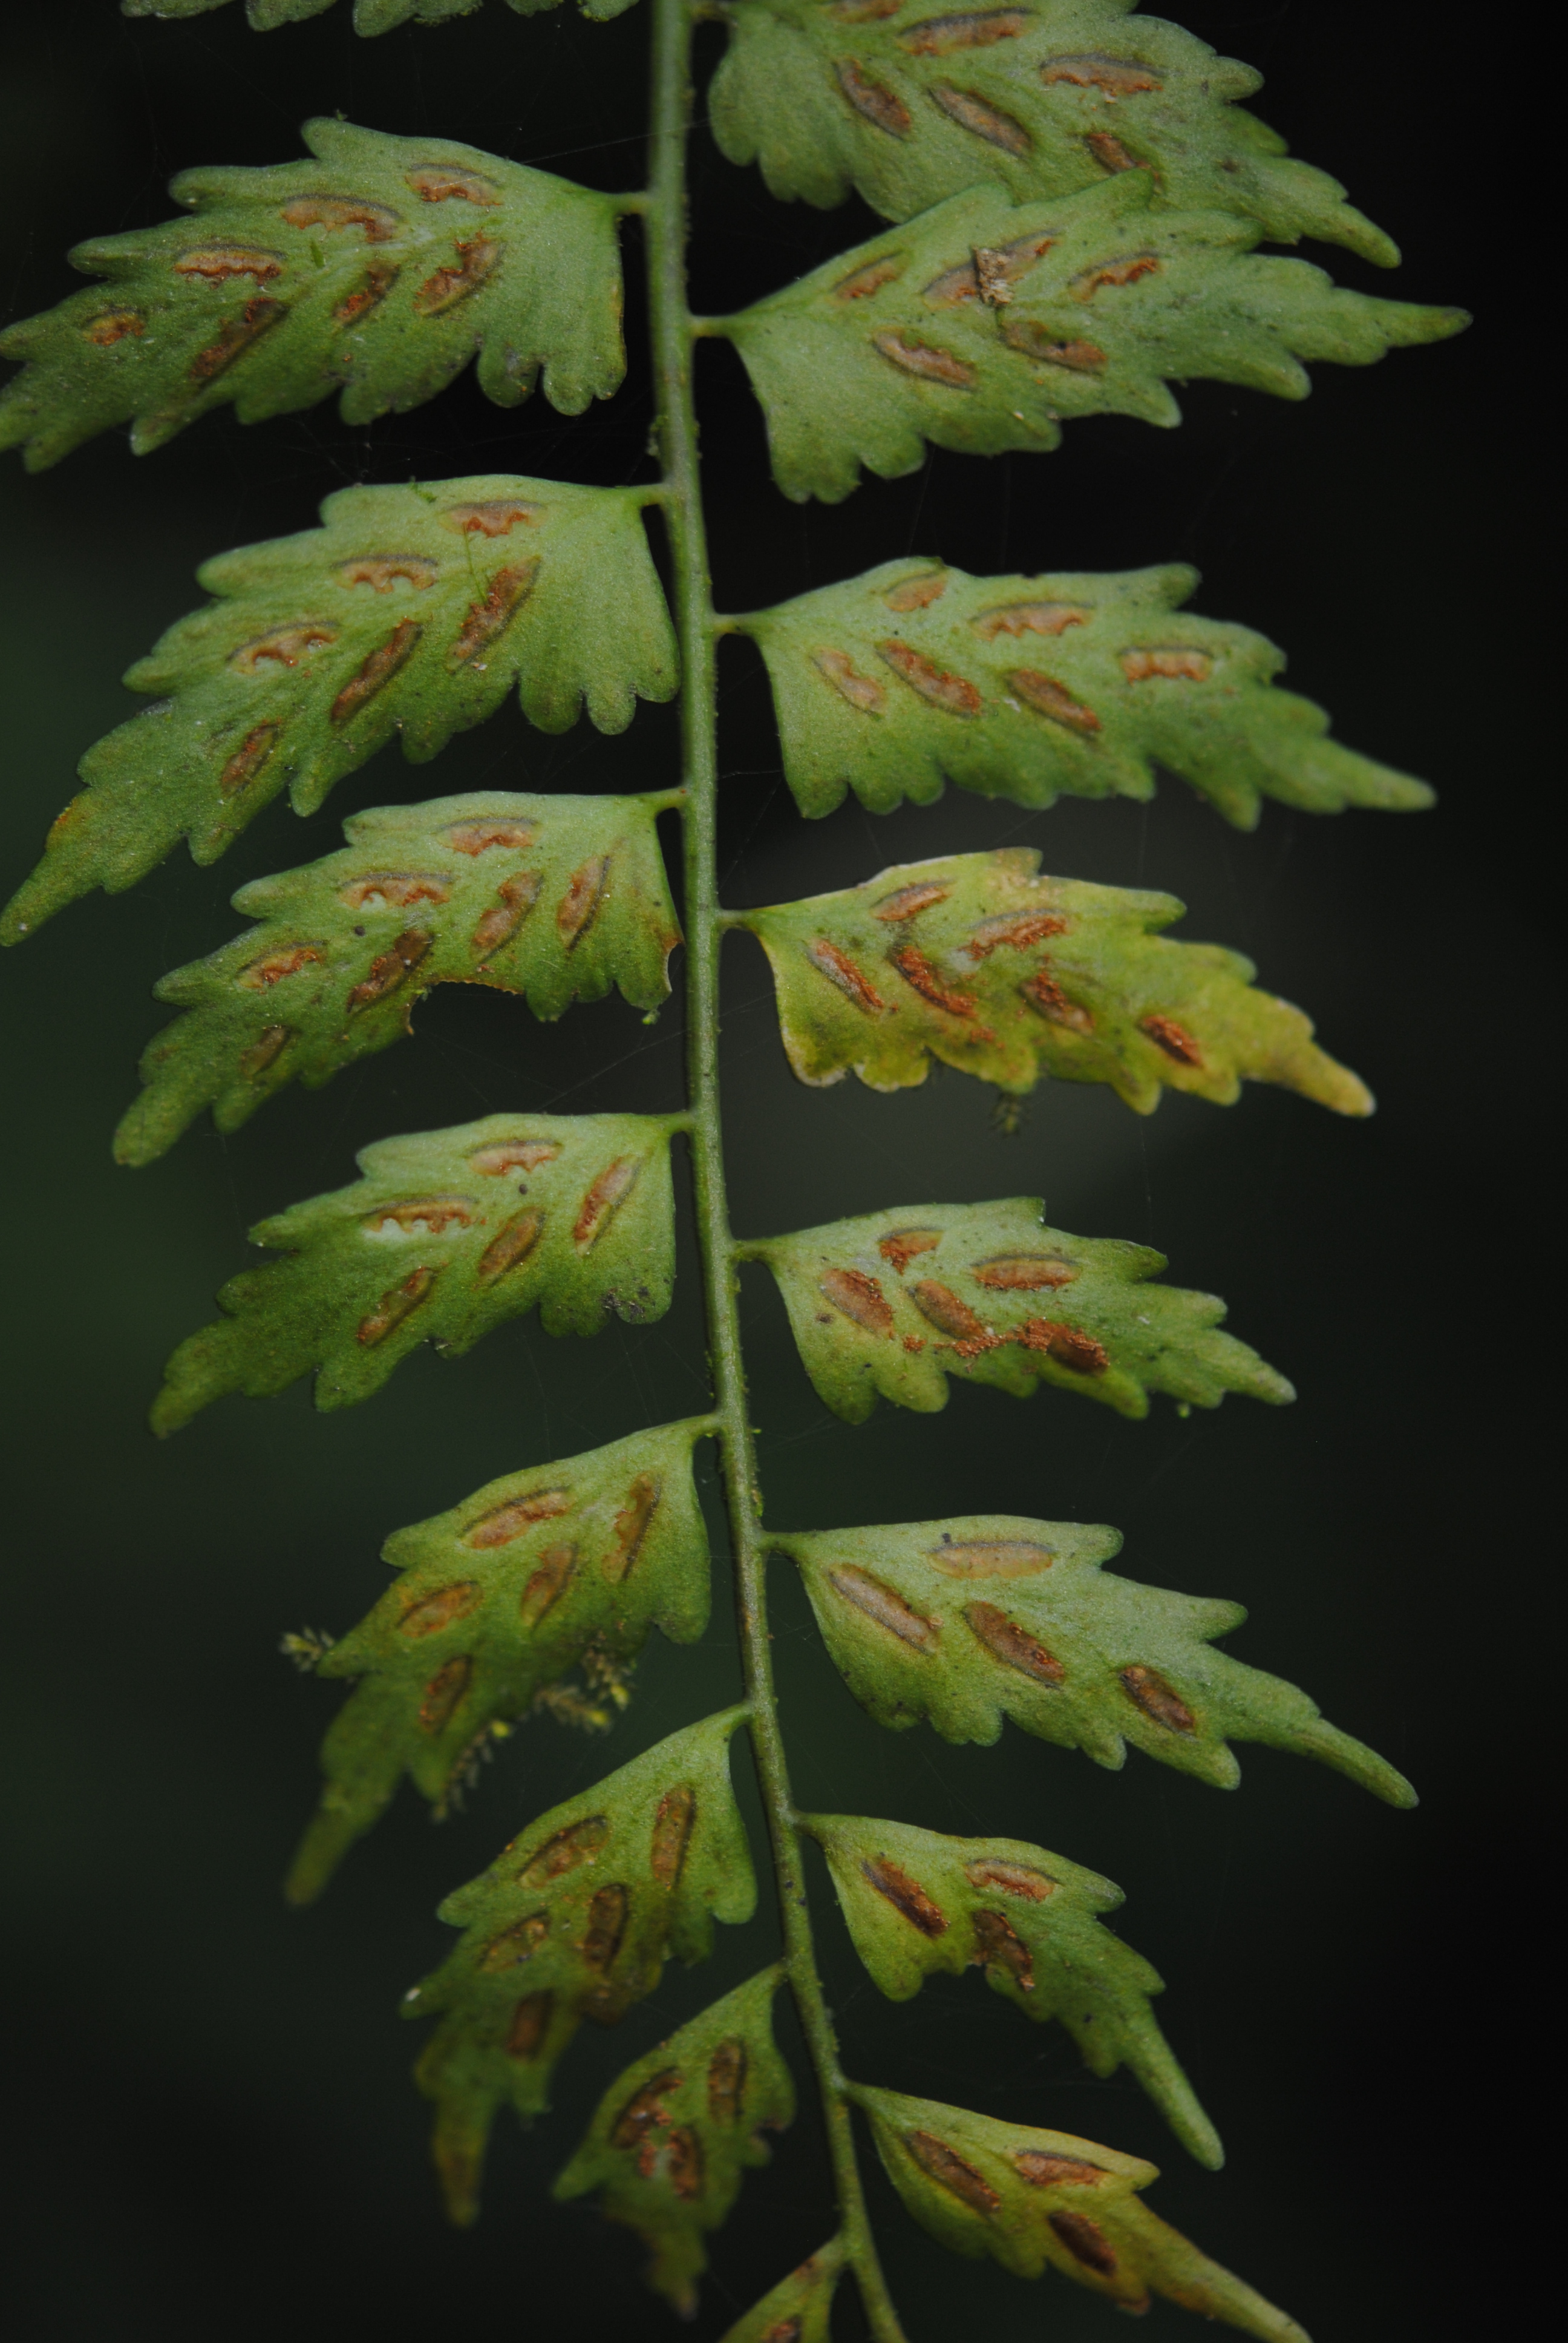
(212, 2128)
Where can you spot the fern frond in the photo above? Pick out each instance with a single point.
(674, 2134)
(497, 1599)
(410, 612)
(576, 1919)
(1034, 687)
(908, 105)
(894, 1302)
(370, 16)
(557, 899)
(799, 2309)
(976, 961)
(1090, 304)
(1034, 2200)
(381, 268)
(966, 1623)
(918, 1904)
(432, 1244)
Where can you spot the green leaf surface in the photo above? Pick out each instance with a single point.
(576, 1920)
(447, 1234)
(1090, 303)
(380, 267)
(1037, 2200)
(558, 899)
(894, 1302)
(908, 105)
(370, 16)
(495, 1600)
(1031, 689)
(918, 1905)
(975, 961)
(799, 2309)
(411, 612)
(674, 2134)
(995, 1615)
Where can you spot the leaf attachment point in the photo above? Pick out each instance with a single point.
(495, 1600)
(1032, 2199)
(673, 2135)
(576, 1920)
(799, 2309)
(382, 268)
(411, 612)
(917, 1904)
(447, 1234)
(558, 899)
(995, 1615)
(893, 1304)
(977, 961)
(1030, 688)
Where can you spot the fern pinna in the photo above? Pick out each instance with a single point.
(1075, 197)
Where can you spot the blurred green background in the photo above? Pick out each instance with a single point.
(211, 2129)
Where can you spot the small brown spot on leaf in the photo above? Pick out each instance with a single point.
(1112, 155)
(1030, 619)
(1017, 932)
(547, 1584)
(379, 279)
(431, 1613)
(400, 888)
(1049, 697)
(395, 1305)
(883, 1604)
(920, 359)
(1004, 267)
(496, 516)
(432, 1215)
(248, 758)
(672, 1829)
(480, 837)
(604, 1199)
(1000, 1946)
(112, 325)
(950, 2172)
(906, 1895)
(580, 906)
(871, 99)
(863, 12)
(271, 968)
(1038, 341)
(1043, 994)
(513, 1155)
(479, 257)
(860, 1298)
(726, 2083)
(606, 1926)
(1088, 282)
(388, 969)
(516, 1943)
(903, 1245)
(378, 670)
(1173, 1039)
(907, 900)
(509, 1245)
(914, 1342)
(510, 1521)
(1117, 77)
(991, 1557)
(1009, 1643)
(1178, 665)
(632, 1524)
(841, 971)
(992, 281)
(508, 591)
(283, 646)
(976, 29)
(1024, 1272)
(1086, 2241)
(954, 693)
(380, 571)
(379, 221)
(790, 2330)
(1068, 1345)
(1158, 1699)
(924, 977)
(859, 690)
(987, 122)
(918, 593)
(1043, 2169)
(577, 1844)
(645, 2110)
(943, 1308)
(1012, 1878)
(437, 183)
(233, 338)
(861, 283)
(442, 1694)
(265, 1051)
(530, 2023)
(683, 2163)
(218, 264)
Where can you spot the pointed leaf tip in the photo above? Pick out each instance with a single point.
(799, 2309)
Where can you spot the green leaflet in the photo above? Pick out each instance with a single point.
(973, 960)
(799, 2309)
(894, 1302)
(917, 1904)
(910, 105)
(1090, 303)
(1033, 687)
(411, 611)
(1033, 2198)
(370, 16)
(559, 898)
(994, 1615)
(381, 267)
(433, 1245)
(575, 1919)
(673, 2135)
(496, 1599)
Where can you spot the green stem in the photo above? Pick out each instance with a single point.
(666, 229)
